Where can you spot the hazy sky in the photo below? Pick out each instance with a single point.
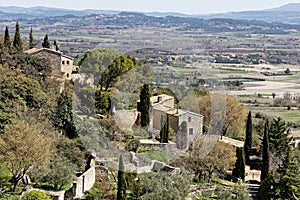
(183, 6)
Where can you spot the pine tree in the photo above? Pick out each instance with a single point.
(289, 178)
(56, 45)
(248, 140)
(121, 194)
(17, 43)
(46, 43)
(145, 105)
(7, 42)
(239, 169)
(31, 42)
(266, 153)
(279, 140)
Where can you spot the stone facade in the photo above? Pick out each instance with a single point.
(60, 63)
(163, 105)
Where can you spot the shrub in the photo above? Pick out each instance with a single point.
(94, 193)
(133, 145)
(35, 195)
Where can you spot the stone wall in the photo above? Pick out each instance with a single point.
(84, 182)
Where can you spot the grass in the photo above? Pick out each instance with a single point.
(286, 115)
(290, 78)
(159, 155)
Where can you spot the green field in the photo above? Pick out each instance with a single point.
(287, 115)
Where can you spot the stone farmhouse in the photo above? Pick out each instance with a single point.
(163, 105)
(61, 64)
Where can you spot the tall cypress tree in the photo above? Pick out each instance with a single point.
(266, 153)
(164, 132)
(7, 42)
(248, 140)
(145, 105)
(121, 193)
(239, 169)
(17, 43)
(46, 43)
(31, 42)
(56, 45)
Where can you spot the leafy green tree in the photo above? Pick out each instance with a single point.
(218, 160)
(31, 40)
(97, 60)
(145, 104)
(163, 185)
(22, 146)
(7, 41)
(102, 102)
(60, 172)
(164, 132)
(17, 43)
(248, 140)
(46, 43)
(63, 118)
(266, 153)
(235, 113)
(35, 195)
(239, 169)
(112, 74)
(121, 194)
(72, 149)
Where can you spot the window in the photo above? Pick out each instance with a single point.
(191, 131)
(189, 119)
(63, 62)
(68, 75)
(68, 62)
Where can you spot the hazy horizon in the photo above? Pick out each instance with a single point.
(186, 7)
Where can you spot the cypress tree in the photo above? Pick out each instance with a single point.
(239, 169)
(17, 43)
(56, 45)
(266, 153)
(164, 132)
(31, 42)
(248, 140)
(145, 105)
(121, 193)
(7, 42)
(46, 43)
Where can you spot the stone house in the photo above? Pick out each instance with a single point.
(61, 64)
(163, 105)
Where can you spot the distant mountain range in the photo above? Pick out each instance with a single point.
(289, 13)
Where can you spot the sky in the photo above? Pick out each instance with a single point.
(181, 6)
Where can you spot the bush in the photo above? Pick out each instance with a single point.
(35, 195)
(94, 193)
(133, 145)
